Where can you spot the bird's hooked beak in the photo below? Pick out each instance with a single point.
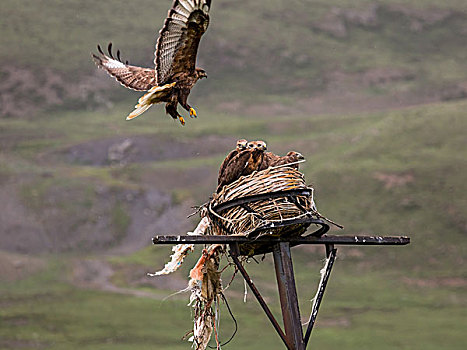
(242, 144)
(262, 146)
(200, 73)
(299, 156)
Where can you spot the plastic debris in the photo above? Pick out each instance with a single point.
(180, 252)
(205, 285)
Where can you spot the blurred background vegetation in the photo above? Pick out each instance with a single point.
(373, 93)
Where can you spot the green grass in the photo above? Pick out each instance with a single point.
(370, 310)
(349, 158)
(120, 219)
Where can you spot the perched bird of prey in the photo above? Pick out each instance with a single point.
(272, 160)
(241, 146)
(288, 159)
(244, 163)
(268, 159)
(257, 155)
(175, 72)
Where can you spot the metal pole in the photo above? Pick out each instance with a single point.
(288, 295)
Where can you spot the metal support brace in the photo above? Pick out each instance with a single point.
(331, 253)
(234, 253)
(293, 336)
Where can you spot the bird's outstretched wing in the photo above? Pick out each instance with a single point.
(178, 41)
(132, 77)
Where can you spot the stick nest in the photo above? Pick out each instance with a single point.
(261, 217)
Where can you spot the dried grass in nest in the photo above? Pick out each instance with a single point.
(240, 221)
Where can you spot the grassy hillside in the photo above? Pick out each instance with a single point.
(372, 93)
(397, 172)
(411, 52)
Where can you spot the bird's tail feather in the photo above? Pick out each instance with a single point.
(139, 109)
(153, 96)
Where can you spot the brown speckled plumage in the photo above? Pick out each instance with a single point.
(175, 71)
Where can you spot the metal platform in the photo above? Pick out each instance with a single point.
(292, 336)
(294, 241)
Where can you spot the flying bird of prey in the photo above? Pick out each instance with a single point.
(175, 71)
(244, 163)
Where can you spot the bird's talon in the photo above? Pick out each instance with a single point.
(182, 120)
(193, 113)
